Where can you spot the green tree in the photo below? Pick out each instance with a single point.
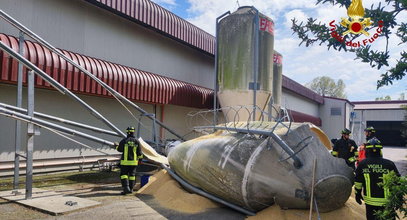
(397, 199)
(326, 86)
(314, 32)
(386, 98)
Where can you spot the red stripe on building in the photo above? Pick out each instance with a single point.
(134, 84)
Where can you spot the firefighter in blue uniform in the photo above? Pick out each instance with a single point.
(369, 173)
(346, 148)
(131, 153)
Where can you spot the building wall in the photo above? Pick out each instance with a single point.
(83, 28)
(298, 103)
(49, 145)
(333, 124)
(380, 115)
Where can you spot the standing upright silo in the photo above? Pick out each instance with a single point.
(245, 60)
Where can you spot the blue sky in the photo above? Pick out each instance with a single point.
(303, 63)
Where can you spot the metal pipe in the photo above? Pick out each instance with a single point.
(30, 137)
(215, 89)
(57, 85)
(297, 162)
(65, 130)
(68, 122)
(21, 27)
(205, 194)
(255, 60)
(19, 104)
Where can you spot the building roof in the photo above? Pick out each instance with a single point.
(157, 18)
(301, 90)
(132, 83)
(377, 105)
(345, 100)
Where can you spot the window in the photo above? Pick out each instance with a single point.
(336, 111)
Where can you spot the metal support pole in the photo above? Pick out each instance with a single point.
(30, 137)
(57, 119)
(297, 162)
(255, 61)
(155, 133)
(215, 89)
(19, 104)
(39, 122)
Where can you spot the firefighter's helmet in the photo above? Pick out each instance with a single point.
(346, 131)
(130, 130)
(374, 144)
(370, 129)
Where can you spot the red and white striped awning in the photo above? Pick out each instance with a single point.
(134, 84)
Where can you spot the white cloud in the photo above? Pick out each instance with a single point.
(301, 63)
(299, 15)
(168, 2)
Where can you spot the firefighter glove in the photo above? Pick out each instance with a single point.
(352, 159)
(358, 198)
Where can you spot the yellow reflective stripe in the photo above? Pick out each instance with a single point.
(358, 185)
(375, 201)
(124, 177)
(134, 152)
(351, 159)
(125, 153)
(132, 177)
(334, 153)
(367, 181)
(357, 153)
(129, 162)
(372, 146)
(385, 189)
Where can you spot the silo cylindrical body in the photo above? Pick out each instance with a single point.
(245, 58)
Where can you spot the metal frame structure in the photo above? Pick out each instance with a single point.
(30, 111)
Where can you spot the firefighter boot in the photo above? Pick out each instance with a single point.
(125, 185)
(131, 184)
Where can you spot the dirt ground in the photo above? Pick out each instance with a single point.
(169, 201)
(161, 199)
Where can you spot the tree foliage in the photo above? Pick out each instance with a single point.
(314, 32)
(326, 86)
(386, 98)
(397, 199)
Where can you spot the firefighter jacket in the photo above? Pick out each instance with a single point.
(369, 173)
(131, 151)
(346, 149)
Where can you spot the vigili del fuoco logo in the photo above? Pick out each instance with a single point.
(356, 24)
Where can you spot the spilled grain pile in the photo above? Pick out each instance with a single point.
(169, 194)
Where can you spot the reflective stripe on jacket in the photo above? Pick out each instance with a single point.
(131, 152)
